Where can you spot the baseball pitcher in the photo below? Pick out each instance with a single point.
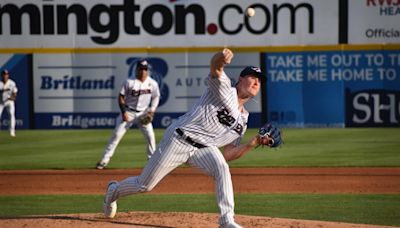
(138, 101)
(217, 120)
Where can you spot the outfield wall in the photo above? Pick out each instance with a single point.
(335, 88)
(181, 77)
(325, 66)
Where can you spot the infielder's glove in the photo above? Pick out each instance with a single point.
(269, 136)
(147, 118)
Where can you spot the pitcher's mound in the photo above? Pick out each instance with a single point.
(164, 220)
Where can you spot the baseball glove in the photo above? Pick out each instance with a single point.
(147, 118)
(269, 135)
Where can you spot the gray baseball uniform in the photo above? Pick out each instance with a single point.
(194, 139)
(140, 98)
(6, 91)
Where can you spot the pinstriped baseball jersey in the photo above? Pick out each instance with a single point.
(138, 94)
(215, 120)
(7, 89)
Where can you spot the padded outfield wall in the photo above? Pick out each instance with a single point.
(325, 67)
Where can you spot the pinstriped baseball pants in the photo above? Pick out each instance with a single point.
(172, 152)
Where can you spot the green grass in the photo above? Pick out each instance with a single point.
(363, 209)
(80, 149)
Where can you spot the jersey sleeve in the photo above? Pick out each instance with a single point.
(155, 97)
(236, 142)
(220, 86)
(15, 88)
(124, 88)
(156, 90)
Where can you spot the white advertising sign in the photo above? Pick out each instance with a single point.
(90, 83)
(374, 21)
(159, 23)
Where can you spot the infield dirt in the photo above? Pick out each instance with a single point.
(187, 180)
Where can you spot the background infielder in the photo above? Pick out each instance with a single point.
(138, 100)
(218, 119)
(8, 93)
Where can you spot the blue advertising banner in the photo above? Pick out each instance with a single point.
(19, 66)
(307, 89)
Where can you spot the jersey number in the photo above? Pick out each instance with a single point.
(225, 118)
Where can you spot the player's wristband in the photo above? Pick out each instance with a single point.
(122, 108)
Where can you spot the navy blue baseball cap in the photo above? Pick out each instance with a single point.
(252, 70)
(5, 71)
(142, 64)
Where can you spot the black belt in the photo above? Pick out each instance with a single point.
(133, 110)
(188, 139)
